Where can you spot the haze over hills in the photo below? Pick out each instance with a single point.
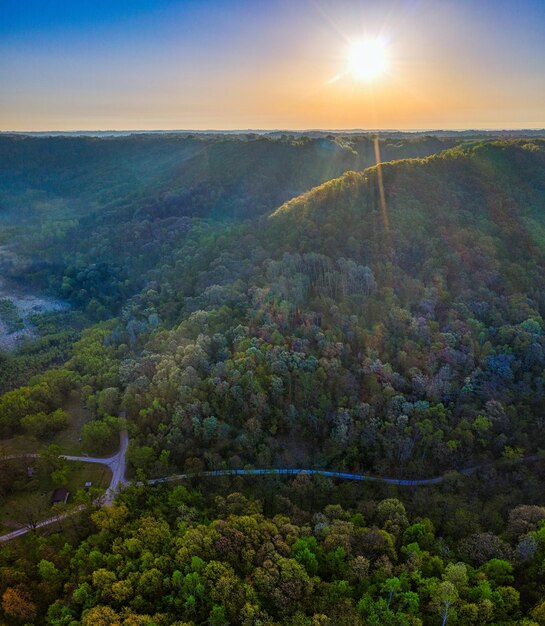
(317, 132)
(428, 293)
(158, 233)
(68, 184)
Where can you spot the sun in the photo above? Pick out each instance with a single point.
(367, 59)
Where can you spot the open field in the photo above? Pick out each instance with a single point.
(32, 501)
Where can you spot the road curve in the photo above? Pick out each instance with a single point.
(117, 465)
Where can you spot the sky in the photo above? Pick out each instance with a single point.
(270, 64)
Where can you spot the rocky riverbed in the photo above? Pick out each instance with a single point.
(18, 306)
(16, 312)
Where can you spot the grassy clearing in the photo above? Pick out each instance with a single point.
(33, 499)
(69, 438)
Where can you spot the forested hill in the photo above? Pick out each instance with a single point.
(241, 176)
(402, 335)
(88, 220)
(107, 210)
(495, 189)
(403, 339)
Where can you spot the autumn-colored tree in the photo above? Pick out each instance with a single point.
(16, 603)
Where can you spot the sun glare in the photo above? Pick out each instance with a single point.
(367, 59)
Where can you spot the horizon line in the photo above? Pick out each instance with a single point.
(277, 130)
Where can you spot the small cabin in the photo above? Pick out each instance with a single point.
(88, 485)
(60, 495)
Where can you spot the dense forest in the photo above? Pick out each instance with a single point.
(262, 302)
(289, 554)
(86, 219)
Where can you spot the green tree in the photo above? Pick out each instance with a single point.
(98, 436)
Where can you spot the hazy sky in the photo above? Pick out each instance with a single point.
(236, 64)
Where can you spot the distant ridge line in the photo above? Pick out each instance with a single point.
(470, 132)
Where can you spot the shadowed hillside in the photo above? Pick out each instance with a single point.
(118, 206)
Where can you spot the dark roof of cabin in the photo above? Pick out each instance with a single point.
(59, 495)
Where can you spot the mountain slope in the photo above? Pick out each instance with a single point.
(496, 189)
(125, 203)
(402, 337)
(334, 333)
